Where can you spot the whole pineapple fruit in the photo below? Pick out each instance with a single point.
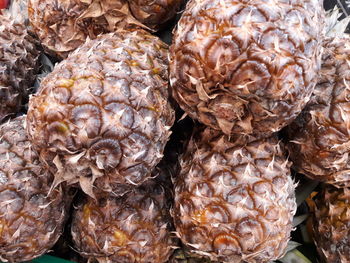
(331, 224)
(18, 64)
(319, 139)
(63, 26)
(246, 67)
(132, 228)
(234, 198)
(103, 116)
(31, 216)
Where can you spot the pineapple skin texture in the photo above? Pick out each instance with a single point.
(249, 69)
(62, 26)
(234, 201)
(102, 117)
(331, 224)
(18, 65)
(319, 143)
(133, 228)
(27, 207)
(152, 13)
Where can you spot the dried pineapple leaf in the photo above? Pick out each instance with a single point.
(294, 256)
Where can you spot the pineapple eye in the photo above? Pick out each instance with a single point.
(87, 118)
(106, 154)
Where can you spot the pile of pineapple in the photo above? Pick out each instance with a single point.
(133, 151)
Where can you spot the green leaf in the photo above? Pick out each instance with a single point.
(297, 220)
(294, 256)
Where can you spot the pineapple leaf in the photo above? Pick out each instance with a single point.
(304, 190)
(294, 256)
(47, 64)
(297, 220)
(292, 245)
(334, 27)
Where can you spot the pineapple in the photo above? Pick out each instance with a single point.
(154, 13)
(319, 139)
(31, 216)
(234, 198)
(102, 117)
(132, 228)
(62, 26)
(18, 64)
(246, 67)
(331, 224)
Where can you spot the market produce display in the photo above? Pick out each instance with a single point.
(170, 131)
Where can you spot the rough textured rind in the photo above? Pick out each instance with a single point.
(154, 13)
(234, 198)
(18, 65)
(331, 224)
(246, 67)
(319, 139)
(31, 218)
(133, 228)
(103, 116)
(64, 25)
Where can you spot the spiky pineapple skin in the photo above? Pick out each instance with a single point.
(250, 69)
(234, 198)
(18, 65)
(154, 14)
(103, 116)
(31, 217)
(331, 224)
(63, 26)
(133, 228)
(319, 143)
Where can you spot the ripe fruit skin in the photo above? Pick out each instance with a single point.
(331, 224)
(154, 13)
(319, 143)
(234, 198)
(62, 26)
(18, 64)
(31, 217)
(250, 69)
(103, 114)
(132, 228)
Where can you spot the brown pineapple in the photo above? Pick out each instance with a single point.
(64, 25)
(18, 64)
(319, 139)
(133, 228)
(102, 117)
(31, 216)
(331, 224)
(246, 67)
(234, 198)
